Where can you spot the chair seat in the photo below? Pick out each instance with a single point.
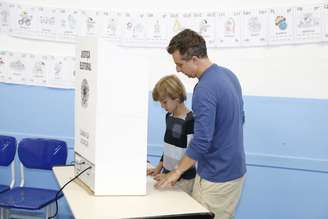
(28, 198)
(4, 188)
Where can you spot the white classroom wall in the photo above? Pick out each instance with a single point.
(286, 71)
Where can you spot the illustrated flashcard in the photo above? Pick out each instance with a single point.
(69, 75)
(281, 25)
(133, 29)
(89, 23)
(174, 24)
(4, 17)
(19, 67)
(47, 18)
(205, 24)
(40, 67)
(55, 74)
(61, 72)
(308, 24)
(325, 22)
(255, 27)
(187, 21)
(68, 24)
(128, 24)
(110, 27)
(3, 66)
(156, 34)
(23, 20)
(228, 28)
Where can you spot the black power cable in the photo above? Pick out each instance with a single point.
(61, 189)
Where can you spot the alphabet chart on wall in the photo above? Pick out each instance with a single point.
(221, 28)
(308, 23)
(229, 28)
(281, 25)
(254, 27)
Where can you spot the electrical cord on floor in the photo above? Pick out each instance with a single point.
(61, 189)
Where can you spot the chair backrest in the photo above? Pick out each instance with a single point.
(7, 150)
(41, 153)
(8, 145)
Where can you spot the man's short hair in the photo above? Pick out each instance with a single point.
(189, 43)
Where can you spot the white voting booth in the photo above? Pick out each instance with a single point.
(111, 107)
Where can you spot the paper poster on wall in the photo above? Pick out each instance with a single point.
(205, 24)
(24, 22)
(3, 66)
(39, 70)
(156, 34)
(281, 25)
(38, 74)
(134, 29)
(55, 71)
(19, 68)
(174, 24)
(70, 65)
(255, 27)
(325, 22)
(90, 23)
(307, 23)
(110, 27)
(68, 25)
(225, 28)
(47, 18)
(4, 17)
(188, 20)
(228, 28)
(61, 72)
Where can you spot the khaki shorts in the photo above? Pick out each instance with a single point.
(186, 185)
(219, 198)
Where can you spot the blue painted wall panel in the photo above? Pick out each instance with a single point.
(287, 126)
(36, 110)
(285, 140)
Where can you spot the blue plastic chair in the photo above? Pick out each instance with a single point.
(35, 153)
(7, 156)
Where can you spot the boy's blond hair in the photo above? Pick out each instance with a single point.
(169, 86)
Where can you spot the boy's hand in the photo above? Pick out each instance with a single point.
(153, 171)
(168, 180)
(150, 171)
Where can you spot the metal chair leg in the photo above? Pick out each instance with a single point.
(52, 207)
(47, 212)
(50, 210)
(4, 213)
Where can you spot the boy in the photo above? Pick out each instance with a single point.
(171, 94)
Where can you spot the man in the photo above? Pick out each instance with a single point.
(217, 145)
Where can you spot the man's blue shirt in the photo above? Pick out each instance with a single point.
(217, 144)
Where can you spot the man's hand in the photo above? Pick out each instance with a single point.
(160, 176)
(168, 180)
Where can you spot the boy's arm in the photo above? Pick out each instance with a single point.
(156, 170)
(159, 166)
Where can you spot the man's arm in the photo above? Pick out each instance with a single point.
(172, 177)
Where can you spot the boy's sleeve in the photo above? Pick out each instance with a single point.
(166, 117)
(189, 124)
